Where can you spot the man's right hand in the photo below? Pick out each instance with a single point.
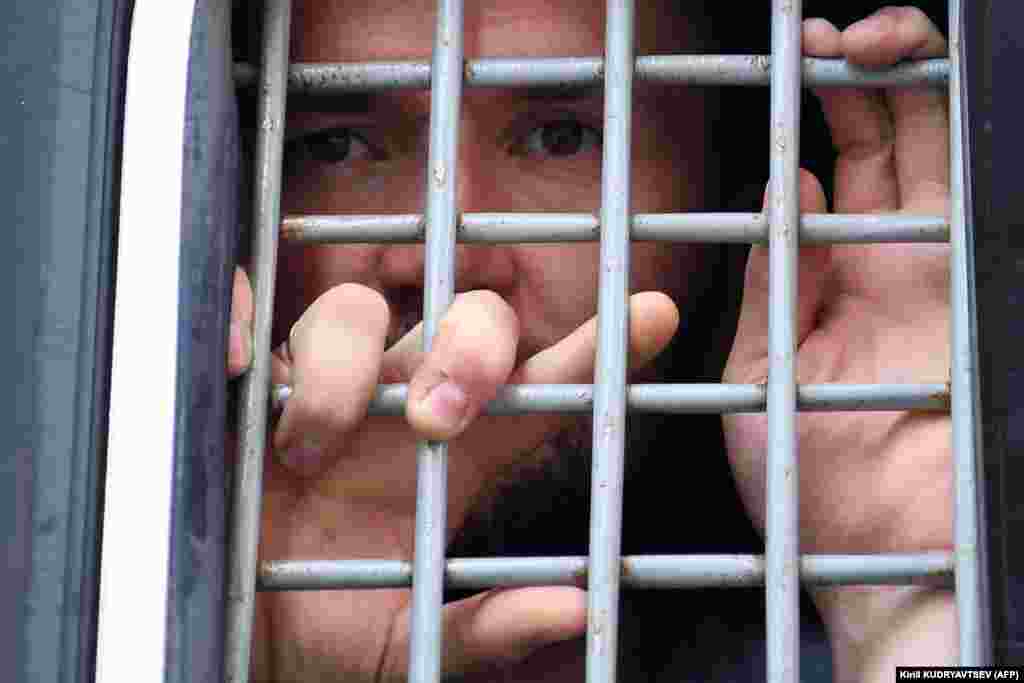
(341, 485)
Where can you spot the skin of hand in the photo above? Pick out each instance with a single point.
(869, 482)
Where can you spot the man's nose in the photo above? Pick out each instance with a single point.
(477, 266)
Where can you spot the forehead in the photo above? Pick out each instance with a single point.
(364, 30)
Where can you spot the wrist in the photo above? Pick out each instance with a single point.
(874, 629)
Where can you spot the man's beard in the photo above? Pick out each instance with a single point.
(531, 498)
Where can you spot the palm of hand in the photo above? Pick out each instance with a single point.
(867, 479)
(869, 482)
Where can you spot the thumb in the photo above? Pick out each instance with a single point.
(748, 359)
(498, 627)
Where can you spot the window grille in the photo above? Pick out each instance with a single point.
(441, 226)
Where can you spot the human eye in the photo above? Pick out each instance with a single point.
(567, 137)
(330, 146)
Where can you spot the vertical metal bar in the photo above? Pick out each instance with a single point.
(782, 579)
(975, 648)
(252, 422)
(612, 349)
(438, 291)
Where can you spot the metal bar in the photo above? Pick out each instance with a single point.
(609, 416)
(752, 228)
(975, 640)
(703, 70)
(755, 70)
(640, 571)
(438, 292)
(578, 399)
(853, 397)
(252, 422)
(519, 228)
(782, 536)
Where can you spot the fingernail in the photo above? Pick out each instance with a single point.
(304, 457)
(447, 402)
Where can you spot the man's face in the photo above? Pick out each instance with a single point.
(521, 150)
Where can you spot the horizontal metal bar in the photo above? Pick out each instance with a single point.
(756, 69)
(704, 70)
(638, 571)
(523, 399)
(866, 397)
(518, 228)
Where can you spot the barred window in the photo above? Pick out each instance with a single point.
(524, 194)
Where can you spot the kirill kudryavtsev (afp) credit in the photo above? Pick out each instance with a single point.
(959, 673)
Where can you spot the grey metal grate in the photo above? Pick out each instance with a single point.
(441, 226)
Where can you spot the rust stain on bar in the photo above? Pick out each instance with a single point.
(291, 228)
(581, 577)
(762, 63)
(627, 569)
(945, 397)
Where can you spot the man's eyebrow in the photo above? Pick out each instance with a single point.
(358, 103)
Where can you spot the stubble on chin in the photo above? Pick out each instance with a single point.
(528, 490)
